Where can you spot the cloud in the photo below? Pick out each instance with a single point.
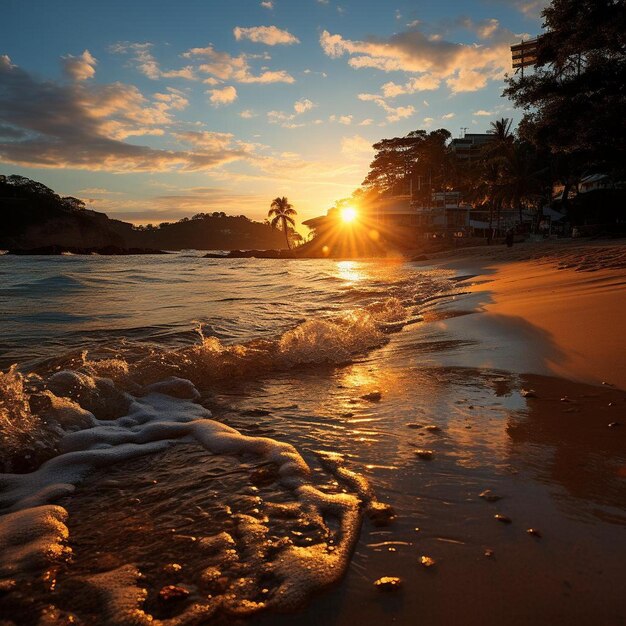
(247, 114)
(394, 114)
(269, 35)
(81, 67)
(302, 106)
(222, 96)
(82, 126)
(448, 116)
(464, 67)
(530, 8)
(356, 145)
(366, 122)
(286, 119)
(483, 113)
(419, 83)
(346, 120)
(146, 63)
(223, 66)
(206, 139)
(268, 4)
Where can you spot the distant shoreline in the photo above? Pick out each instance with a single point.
(61, 250)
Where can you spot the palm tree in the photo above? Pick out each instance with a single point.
(501, 139)
(282, 211)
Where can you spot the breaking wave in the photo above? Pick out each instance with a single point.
(275, 529)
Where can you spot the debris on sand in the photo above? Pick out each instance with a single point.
(489, 496)
(373, 396)
(427, 455)
(172, 593)
(380, 514)
(388, 583)
(502, 518)
(528, 393)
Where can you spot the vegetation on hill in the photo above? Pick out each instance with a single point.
(34, 216)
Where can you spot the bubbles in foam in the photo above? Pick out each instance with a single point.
(33, 531)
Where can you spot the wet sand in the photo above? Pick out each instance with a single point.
(476, 382)
(510, 371)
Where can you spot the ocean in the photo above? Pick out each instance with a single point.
(190, 440)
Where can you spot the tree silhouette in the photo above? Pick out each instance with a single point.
(281, 213)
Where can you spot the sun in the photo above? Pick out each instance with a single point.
(348, 214)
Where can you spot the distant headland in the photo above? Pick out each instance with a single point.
(36, 220)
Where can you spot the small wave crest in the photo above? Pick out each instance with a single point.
(279, 573)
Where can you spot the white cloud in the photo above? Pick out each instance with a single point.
(147, 64)
(223, 66)
(206, 139)
(394, 114)
(419, 83)
(302, 106)
(483, 113)
(247, 114)
(366, 122)
(81, 67)
(225, 95)
(448, 116)
(464, 67)
(269, 35)
(286, 119)
(356, 145)
(267, 4)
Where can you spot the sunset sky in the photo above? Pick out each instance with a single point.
(151, 110)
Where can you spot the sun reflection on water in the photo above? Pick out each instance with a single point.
(350, 271)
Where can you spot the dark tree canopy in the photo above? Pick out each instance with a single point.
(400, 160)
(575, 100)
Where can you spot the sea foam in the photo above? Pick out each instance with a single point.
(34, 532)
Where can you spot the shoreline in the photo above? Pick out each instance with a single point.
(558, 305)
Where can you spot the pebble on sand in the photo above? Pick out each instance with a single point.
(502, 518)
(373, 396)
(380, 514)
(172, 593)
(388, 583)
(427, 561)
(528, 393)
(489, 496)
(534, 532)
(427, 455)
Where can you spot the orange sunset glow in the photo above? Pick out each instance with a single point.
(312, 313)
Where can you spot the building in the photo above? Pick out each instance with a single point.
(469, 147)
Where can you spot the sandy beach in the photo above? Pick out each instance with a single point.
(489, 418)
(523, 372)
(565, 299)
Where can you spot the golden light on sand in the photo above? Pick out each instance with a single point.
(348, 214)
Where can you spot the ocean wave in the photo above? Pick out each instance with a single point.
(279, 573)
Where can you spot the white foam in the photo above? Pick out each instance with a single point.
(33, 531)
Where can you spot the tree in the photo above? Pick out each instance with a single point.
(74, 204)
(281, 213)
(575, 99)
(413, 163)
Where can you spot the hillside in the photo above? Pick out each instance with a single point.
(34, 216)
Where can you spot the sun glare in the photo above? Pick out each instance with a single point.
(348, 214)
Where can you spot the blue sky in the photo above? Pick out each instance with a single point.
(153, 109)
